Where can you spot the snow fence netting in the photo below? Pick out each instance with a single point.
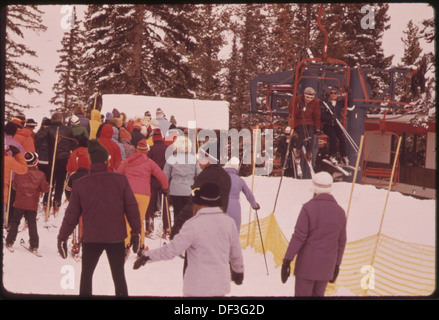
(377, 265)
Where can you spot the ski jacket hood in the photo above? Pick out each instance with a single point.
(25, 138)
(107, 131)
(95, 115)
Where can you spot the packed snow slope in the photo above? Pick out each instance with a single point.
(405, 218)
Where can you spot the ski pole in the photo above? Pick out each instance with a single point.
(355, 176)
(9, 199)
(351, 141)
(165, 196)
(253, 179)
(262, 242)
(49, 197)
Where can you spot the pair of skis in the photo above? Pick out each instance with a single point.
(24, 245)
(340, 168)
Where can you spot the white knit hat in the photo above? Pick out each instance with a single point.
(322, 182)
(232, 163)
(74, 120)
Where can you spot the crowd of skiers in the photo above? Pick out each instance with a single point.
(115, 176)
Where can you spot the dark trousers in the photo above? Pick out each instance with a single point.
(178, 203)
(335, 134)
(305, 137)
(59, 177)
(309, 288)
(91, 252)
(14, 223)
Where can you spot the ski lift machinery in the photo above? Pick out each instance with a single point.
(323, 73)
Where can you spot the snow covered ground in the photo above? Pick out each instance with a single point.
(406, 218)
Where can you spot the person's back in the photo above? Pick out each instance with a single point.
(215, 242)
(98, 197)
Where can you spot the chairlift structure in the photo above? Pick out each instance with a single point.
(323, 73)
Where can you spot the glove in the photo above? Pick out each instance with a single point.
(140, 261)
(237, 277)
(257, 206)
(334, 277)
(62, 248)
(165, 191)
(135, 242)
(14, 150)
(285, 271)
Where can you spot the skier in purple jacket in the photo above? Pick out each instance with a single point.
(319, 240)
(238, 185)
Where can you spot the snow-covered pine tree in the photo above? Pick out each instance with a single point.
(19, 73)
(168, 32)
(130, 49)
(253, 34)
(204, 61)
(69, 89)
(419, 89)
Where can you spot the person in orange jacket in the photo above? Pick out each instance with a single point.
(12, 164)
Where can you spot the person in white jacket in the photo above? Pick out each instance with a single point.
(212, 245)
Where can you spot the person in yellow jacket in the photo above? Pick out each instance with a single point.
(95, 122)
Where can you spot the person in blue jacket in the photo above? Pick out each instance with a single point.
(238, 185)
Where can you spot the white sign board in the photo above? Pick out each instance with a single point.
(208, 114)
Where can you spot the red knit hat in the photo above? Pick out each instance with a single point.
(142, 145)
(157, 135)
(138, 124)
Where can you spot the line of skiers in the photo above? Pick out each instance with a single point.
(314, 117)
(109, 195)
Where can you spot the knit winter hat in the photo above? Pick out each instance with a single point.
(147, 113)
(208, 194)
(159, 112)
(31, 123)
(142, 145)
(116, 113)
(74, 120)
(138, 124)
(97, 152)
(17, 121)
(322, 182)
(31, 158)
(11, 128)
(232, 163)
(157, 135)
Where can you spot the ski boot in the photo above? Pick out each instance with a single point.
(333, 160)
(56, 206)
